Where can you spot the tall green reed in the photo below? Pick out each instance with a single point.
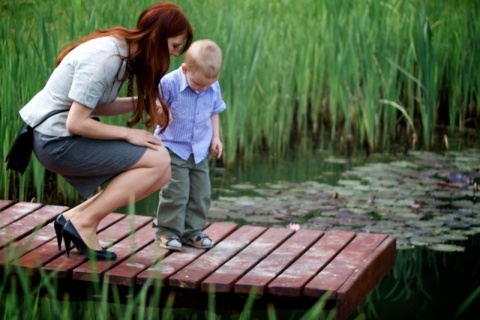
(296, 76)
(428, 73)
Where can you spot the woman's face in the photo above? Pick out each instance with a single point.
(174, 44)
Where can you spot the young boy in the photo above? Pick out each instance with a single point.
(193, 94)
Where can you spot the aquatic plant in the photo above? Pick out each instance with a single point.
(297, 77)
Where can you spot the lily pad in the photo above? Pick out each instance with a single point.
(446, 248)
(243, 186)
(425, 241)
(453, 237)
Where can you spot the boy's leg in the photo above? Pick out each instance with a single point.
(199, 200)
(173, 200)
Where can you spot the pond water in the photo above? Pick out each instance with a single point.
(427, 200)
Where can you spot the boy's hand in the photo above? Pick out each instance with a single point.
(216, 147)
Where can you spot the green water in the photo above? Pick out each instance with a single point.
(438, 258)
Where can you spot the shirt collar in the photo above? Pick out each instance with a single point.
(184, 83)
(183, 80)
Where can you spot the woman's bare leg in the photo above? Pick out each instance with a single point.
(71, 213)
(147, 176)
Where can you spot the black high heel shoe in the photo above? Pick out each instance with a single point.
(58, 225)
(70, 234)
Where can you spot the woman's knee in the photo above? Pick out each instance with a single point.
(162, 159)
(158, 159)
(162, 167)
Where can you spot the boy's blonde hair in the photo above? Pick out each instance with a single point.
(205, 56)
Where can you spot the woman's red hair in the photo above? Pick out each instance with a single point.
(151, 60)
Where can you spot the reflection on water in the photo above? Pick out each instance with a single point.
(426, 200)
(426, 284)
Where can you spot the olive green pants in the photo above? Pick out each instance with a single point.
(185, 200)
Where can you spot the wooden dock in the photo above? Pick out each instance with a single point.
(278, 263)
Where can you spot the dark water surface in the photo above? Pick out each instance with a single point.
(424, 199)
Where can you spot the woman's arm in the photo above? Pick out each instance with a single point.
(119, 106)
(80, 123)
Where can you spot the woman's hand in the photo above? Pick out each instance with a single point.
(80, 123)
(162, 118)
(144, 138)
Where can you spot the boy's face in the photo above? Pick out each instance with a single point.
(196, 80)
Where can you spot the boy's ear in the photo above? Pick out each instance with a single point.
(184, 68)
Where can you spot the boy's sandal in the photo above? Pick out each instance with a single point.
(200, 240)
(170, 242)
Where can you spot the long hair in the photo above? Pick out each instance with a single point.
(151, 60)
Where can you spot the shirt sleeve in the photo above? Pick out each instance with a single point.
(165, 88)
(219, 105)
(93, 74)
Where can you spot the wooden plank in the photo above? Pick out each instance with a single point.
(126, 271)
(257, 279)
(192, 275)
(137, 237)
(223, 279)
(292, 281)
(5, 203)
(28, 224)
(174, 262)
(47, 253)
(277, 261)
(17, 211)
(366, 277)
(13, 252)
(334, 275)
(35, 259)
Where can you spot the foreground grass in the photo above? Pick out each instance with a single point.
(22, 298)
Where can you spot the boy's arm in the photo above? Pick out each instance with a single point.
(216, 147)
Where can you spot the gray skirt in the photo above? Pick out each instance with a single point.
(85, 163)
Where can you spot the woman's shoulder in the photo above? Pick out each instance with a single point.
(101, 48)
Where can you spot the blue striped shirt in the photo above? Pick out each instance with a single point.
(190, 132)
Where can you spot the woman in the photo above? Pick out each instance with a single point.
(86, 152)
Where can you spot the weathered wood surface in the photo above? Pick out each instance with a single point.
(342, 266)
